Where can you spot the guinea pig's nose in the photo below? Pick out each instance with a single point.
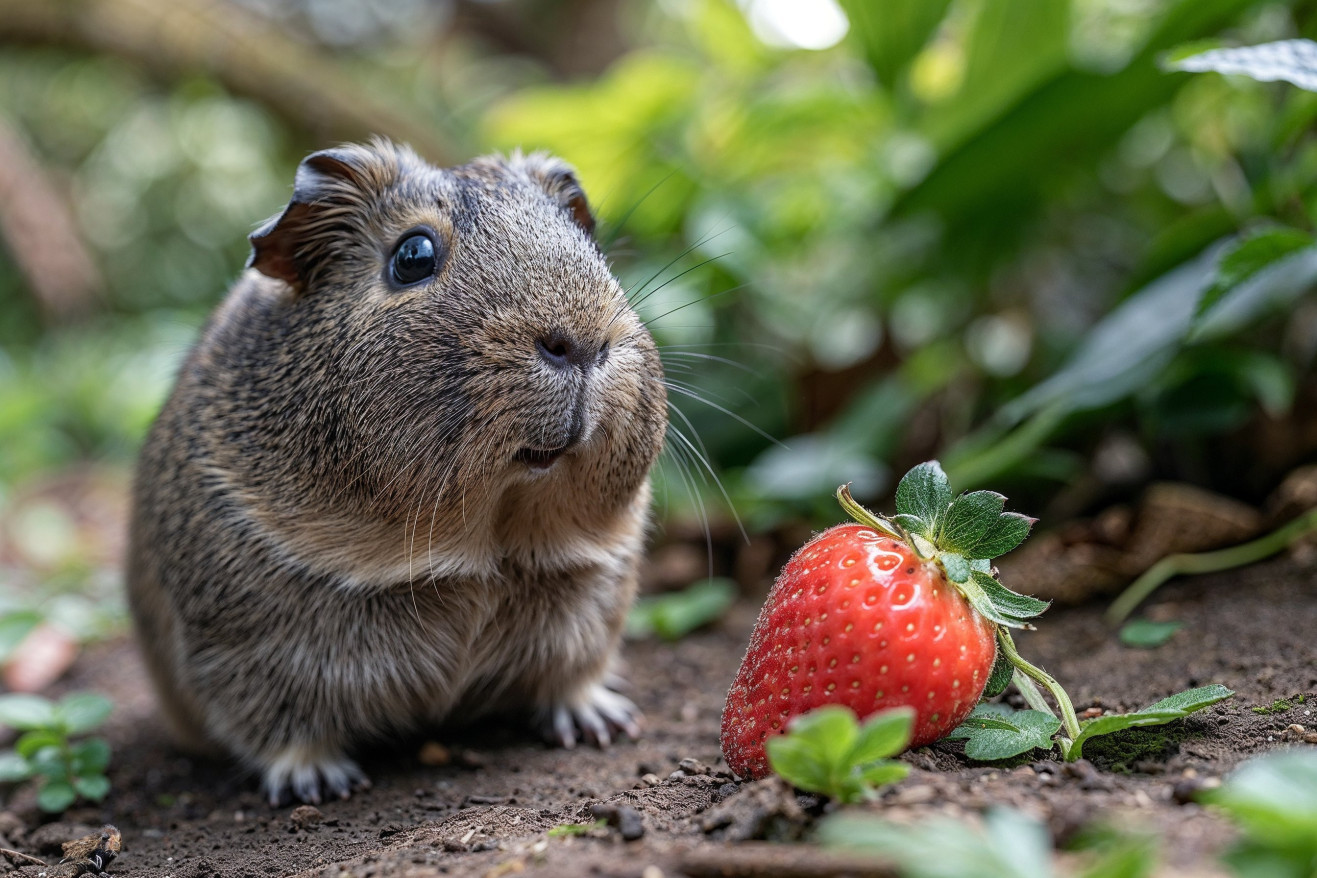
(561, 351)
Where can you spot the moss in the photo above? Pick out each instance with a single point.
(1280, 705)
(1123, 751)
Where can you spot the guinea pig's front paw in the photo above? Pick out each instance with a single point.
(596, 714)
(304, 773)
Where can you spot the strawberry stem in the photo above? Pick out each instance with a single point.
(1040, 676)
(870, 519)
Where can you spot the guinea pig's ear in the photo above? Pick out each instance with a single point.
(282, 246)
(558, 180)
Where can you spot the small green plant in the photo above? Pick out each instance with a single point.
(827, 751)
(47, 753)
(673, 616)
(994, 731)
(1147, 634)
(1280, 705)
(568, 829)
(1007, 845)
(1274, 801)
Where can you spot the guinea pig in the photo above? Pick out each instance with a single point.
(403, 476)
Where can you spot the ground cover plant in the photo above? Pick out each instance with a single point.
(1066, 249)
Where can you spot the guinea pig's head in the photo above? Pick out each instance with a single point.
(455, 336)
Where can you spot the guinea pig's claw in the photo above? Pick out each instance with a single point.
(294, 777)
(599, 716)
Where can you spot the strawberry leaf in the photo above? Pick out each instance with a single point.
(1165, 711)
(1000, 678)
(957, 568)
(967, 520)
(924, 492)
(1004, 534)
(990, 734)
(984, 606)
(913, 523)
(1009, 603)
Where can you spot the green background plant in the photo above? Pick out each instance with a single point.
(53, 749)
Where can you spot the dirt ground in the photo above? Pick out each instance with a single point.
(488, 809)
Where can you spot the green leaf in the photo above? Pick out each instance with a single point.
(1147, 634)
(1293, 61)
(30, 743)
(799, 763)
(26, 712)
(1165, 711)
(673, 616)
(989, 735)
(83, 711)
(1009, 603)
(969, 517)
(1005, 533)
(1191, 700)
(93, 787)
(14, 627)
(979, 600)
(13, 767)
(957, 568)
(924, 492)
(1000, 678)
(1246, 257)
(90, 756)
(884, 734)
(56, 796)
(1269, 289)
(1273, 797)
(912, 523)
(49, 761)
(882, 773)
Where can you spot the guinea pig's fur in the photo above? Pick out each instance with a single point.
(352, 519)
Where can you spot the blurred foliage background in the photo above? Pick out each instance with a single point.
(865, 233)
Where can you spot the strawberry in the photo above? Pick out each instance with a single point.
(885, 613)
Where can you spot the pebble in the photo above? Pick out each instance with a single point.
(918, 794)
(306, 816)
(628, 821)
(433, 753)
(693, 766)
(651, 780)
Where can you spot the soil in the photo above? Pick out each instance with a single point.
(489, 797)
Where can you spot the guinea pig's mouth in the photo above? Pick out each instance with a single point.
(540, 458)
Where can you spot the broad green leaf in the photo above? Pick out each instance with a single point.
(1274, 796)
(14, 627)
(912, 523)
(56, 796)
(1288, 60)
(1005, 533)
(799, 763)
(1147, 634)
(13, 767)
(49, 761)
(1000, 678)
(90, 756)
(969, 517)
(925, 492)
(1246, 257)
(957, 568)
(882, 772)
(30, 743)
(93, 786)
(1165, 711)
(831, 731)
(1267, 290)
(990, 736)
(883, 734)
(673, 616)
(83, 711)
(26, 712)
(893, 32)
(1008, 845)
(1012, 604)
(1191, 700)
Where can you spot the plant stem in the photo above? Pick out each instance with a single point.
(1031, 693)
(867, 518)
(1048, 682)
(1208, 562)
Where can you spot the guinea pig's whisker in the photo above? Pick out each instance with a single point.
(607, 245)
(649, 321)
(678, 276)
(680, 460)
(713, 405)
(701, 456)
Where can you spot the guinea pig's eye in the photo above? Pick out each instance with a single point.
(414, 259)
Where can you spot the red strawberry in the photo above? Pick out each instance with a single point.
(870, 616)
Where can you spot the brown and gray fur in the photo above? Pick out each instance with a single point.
(336, 535)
